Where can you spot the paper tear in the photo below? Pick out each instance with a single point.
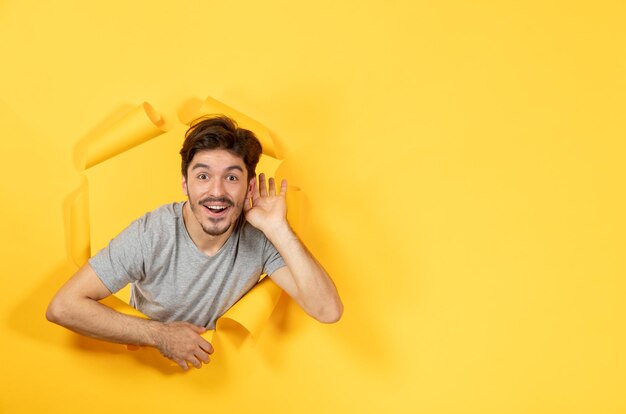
(138, 126)
(254, 309)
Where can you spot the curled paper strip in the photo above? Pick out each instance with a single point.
(136, 127)
(254, 309)
(199, 108)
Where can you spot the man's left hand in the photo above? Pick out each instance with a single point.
(268, 211)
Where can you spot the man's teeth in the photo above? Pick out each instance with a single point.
(216, 208)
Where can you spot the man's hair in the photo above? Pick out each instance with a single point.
(221, 132)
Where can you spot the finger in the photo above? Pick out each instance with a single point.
(283, 187)
(206, 346)
(202, 356)
(182, 364)
(195, 362)
(262, 188)
(272, 191)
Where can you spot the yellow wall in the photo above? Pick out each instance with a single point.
(463, 165)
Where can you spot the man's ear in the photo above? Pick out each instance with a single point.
(251, 187)
(184, 184)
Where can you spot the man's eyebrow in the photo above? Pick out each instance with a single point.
(200, 165)
(205, 166)
(234, 167)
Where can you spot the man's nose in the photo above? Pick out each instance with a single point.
(216, 188)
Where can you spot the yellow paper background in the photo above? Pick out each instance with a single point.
(462, 165)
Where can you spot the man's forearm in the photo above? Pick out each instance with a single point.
(314, 289)
(91, 318)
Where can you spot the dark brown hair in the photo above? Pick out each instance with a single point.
(221, 132)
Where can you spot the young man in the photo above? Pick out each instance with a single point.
(190, 262)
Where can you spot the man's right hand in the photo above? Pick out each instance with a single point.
(181, 342)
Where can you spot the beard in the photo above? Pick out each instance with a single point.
(216, 230)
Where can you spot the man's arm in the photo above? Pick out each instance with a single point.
(304, 279)
(76, 307)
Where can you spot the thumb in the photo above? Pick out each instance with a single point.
(247, 204)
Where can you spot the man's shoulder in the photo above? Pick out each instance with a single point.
(168, 210)
(162, 216)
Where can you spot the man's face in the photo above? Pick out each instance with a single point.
(217, 188)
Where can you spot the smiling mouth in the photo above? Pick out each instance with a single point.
(216, 210)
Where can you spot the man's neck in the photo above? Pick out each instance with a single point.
(206, 243)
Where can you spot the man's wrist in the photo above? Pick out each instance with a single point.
(279, 231)
(153, 333)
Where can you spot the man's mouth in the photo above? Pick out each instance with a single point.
(216, 209)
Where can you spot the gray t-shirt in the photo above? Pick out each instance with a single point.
(174, 281)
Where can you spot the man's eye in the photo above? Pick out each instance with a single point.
(202, 176)
(231, 178)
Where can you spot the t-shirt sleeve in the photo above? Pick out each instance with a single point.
(122, 261)
(272, 260)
